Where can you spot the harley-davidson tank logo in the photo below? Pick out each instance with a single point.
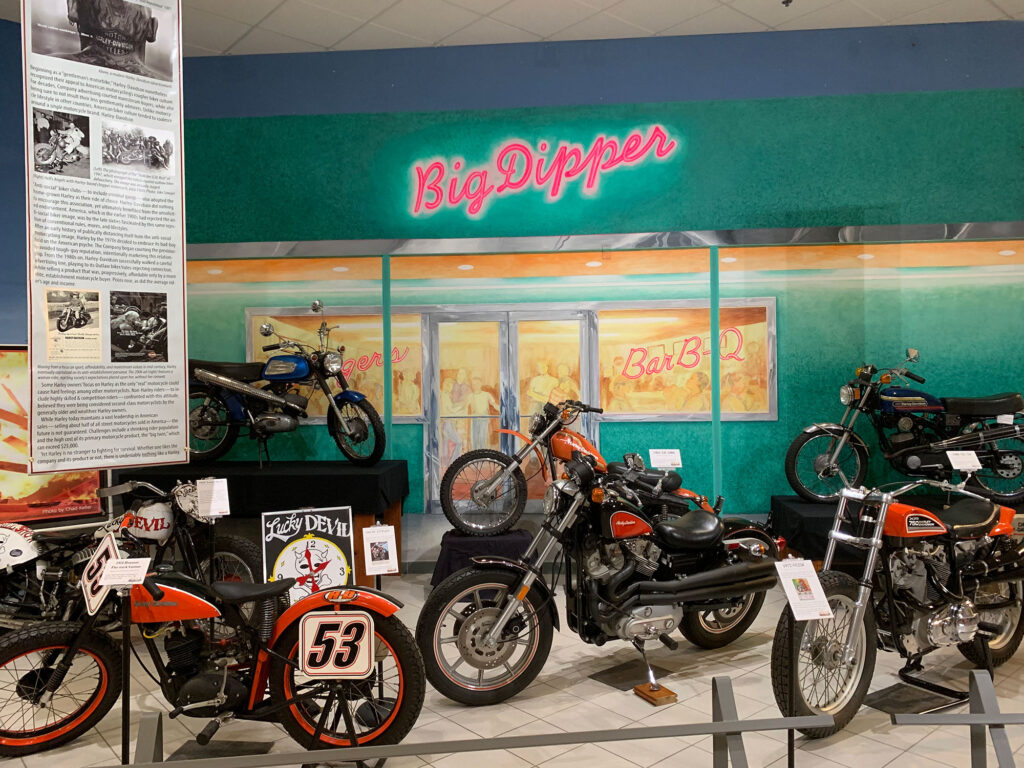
(923, 523)
(626, 525)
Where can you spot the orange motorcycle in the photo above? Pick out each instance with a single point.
(483, 492)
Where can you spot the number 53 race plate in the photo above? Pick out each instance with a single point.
(336, 644)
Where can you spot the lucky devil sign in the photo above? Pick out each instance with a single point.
(312, 546)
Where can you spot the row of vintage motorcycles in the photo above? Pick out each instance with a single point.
(638, 555)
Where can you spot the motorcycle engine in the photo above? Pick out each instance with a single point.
(276, 422)
(952, 623)
(646, 622)
(196, 680)
(604, 561)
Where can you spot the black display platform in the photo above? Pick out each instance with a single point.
(805, 525)
(457, 549)
(283, 485)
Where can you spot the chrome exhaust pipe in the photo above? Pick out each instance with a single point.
(707, 580)
(246, 389)
(723, 592)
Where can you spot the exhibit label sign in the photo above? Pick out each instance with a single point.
(106, 260)
(312, 546)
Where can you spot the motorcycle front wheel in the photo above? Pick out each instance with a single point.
(812, 475)
(63, 323)
(28, 659)
(452, 626)
(465, 501)
(365, 445)
(382, 708)
(211, 432)
(824, 684)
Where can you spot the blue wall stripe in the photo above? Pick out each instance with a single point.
(761, 65)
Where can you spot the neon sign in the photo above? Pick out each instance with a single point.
(641, 361)
(516, 166)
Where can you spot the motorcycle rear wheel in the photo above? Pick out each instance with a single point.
(377, 719)
(364, 449)
(211, 432)
(27, 660)
(1009, 620)
(818, 664)
(1003, 484)
(719, 628)
(811, 479)
(463, 512)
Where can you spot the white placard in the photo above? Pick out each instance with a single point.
(964, 461)
(336, 644)
(806, 598)
(213, 497)
(106, 234)
(124, 573)
(1005, 418)
(92, 587)
(666, 458)
(380, 550)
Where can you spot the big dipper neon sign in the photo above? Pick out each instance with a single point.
(517, 166)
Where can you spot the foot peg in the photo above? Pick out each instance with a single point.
(668, 642)
(204, 736)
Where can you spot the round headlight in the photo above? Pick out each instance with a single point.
(846, 394)
(332, 363)
(550, 499)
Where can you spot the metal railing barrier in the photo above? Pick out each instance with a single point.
(984, 714)
(726, 730)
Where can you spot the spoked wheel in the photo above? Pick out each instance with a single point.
(811, 471)
(825, 684)
(28, 661)
(210, 431)
(996, 604)
(364, 443)
(716, 628)
(453, 626)
(234, 559)
(474, 502)
(1001, 477)
(377, 710)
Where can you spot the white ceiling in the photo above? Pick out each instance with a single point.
(226, 27)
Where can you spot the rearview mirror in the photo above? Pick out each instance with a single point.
(317, 306)
(266, 329)
(913, 356)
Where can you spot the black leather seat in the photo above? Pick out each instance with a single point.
(670, 481)
(694, 530)
(970, 518)
(238, 371)
(61, 537)
(235, 592)
(994, 405)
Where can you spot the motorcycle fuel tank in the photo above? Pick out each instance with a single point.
(153, 521)
(184, 599)
(903, 400)
(565, 441)
(286, 368)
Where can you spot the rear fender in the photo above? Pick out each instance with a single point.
(514, 566)
(837, 430)
(327, 600)
(741, 527)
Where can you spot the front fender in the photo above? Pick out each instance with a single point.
(348, 396)
(508, 564)
(328, 599)
(837, 430)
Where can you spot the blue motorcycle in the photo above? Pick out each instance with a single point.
(265, 398)
(916, 431)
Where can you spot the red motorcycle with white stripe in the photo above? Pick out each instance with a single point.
(640, 558)
(336, 669)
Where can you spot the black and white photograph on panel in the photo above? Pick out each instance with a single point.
(137, 148)
(60, 143)
(73, 326)
(138, 327)
(128, 37)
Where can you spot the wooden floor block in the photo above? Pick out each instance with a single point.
(659, 696)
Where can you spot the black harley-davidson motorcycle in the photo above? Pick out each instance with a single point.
(266, 399)
(72, 317)
(914, 430)
(930, 580)
(638, 560)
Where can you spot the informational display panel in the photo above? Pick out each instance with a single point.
(106, 233)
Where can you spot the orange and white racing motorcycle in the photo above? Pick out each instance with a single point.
(930, 580)
(336, 669)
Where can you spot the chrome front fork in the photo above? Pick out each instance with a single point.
(872, 545)
(543, 543)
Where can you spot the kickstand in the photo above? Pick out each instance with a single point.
(262, 449)
(639, 645)
(914, 665)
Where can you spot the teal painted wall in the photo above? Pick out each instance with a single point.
(835, 160)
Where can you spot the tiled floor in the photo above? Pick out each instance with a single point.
(563, 698)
